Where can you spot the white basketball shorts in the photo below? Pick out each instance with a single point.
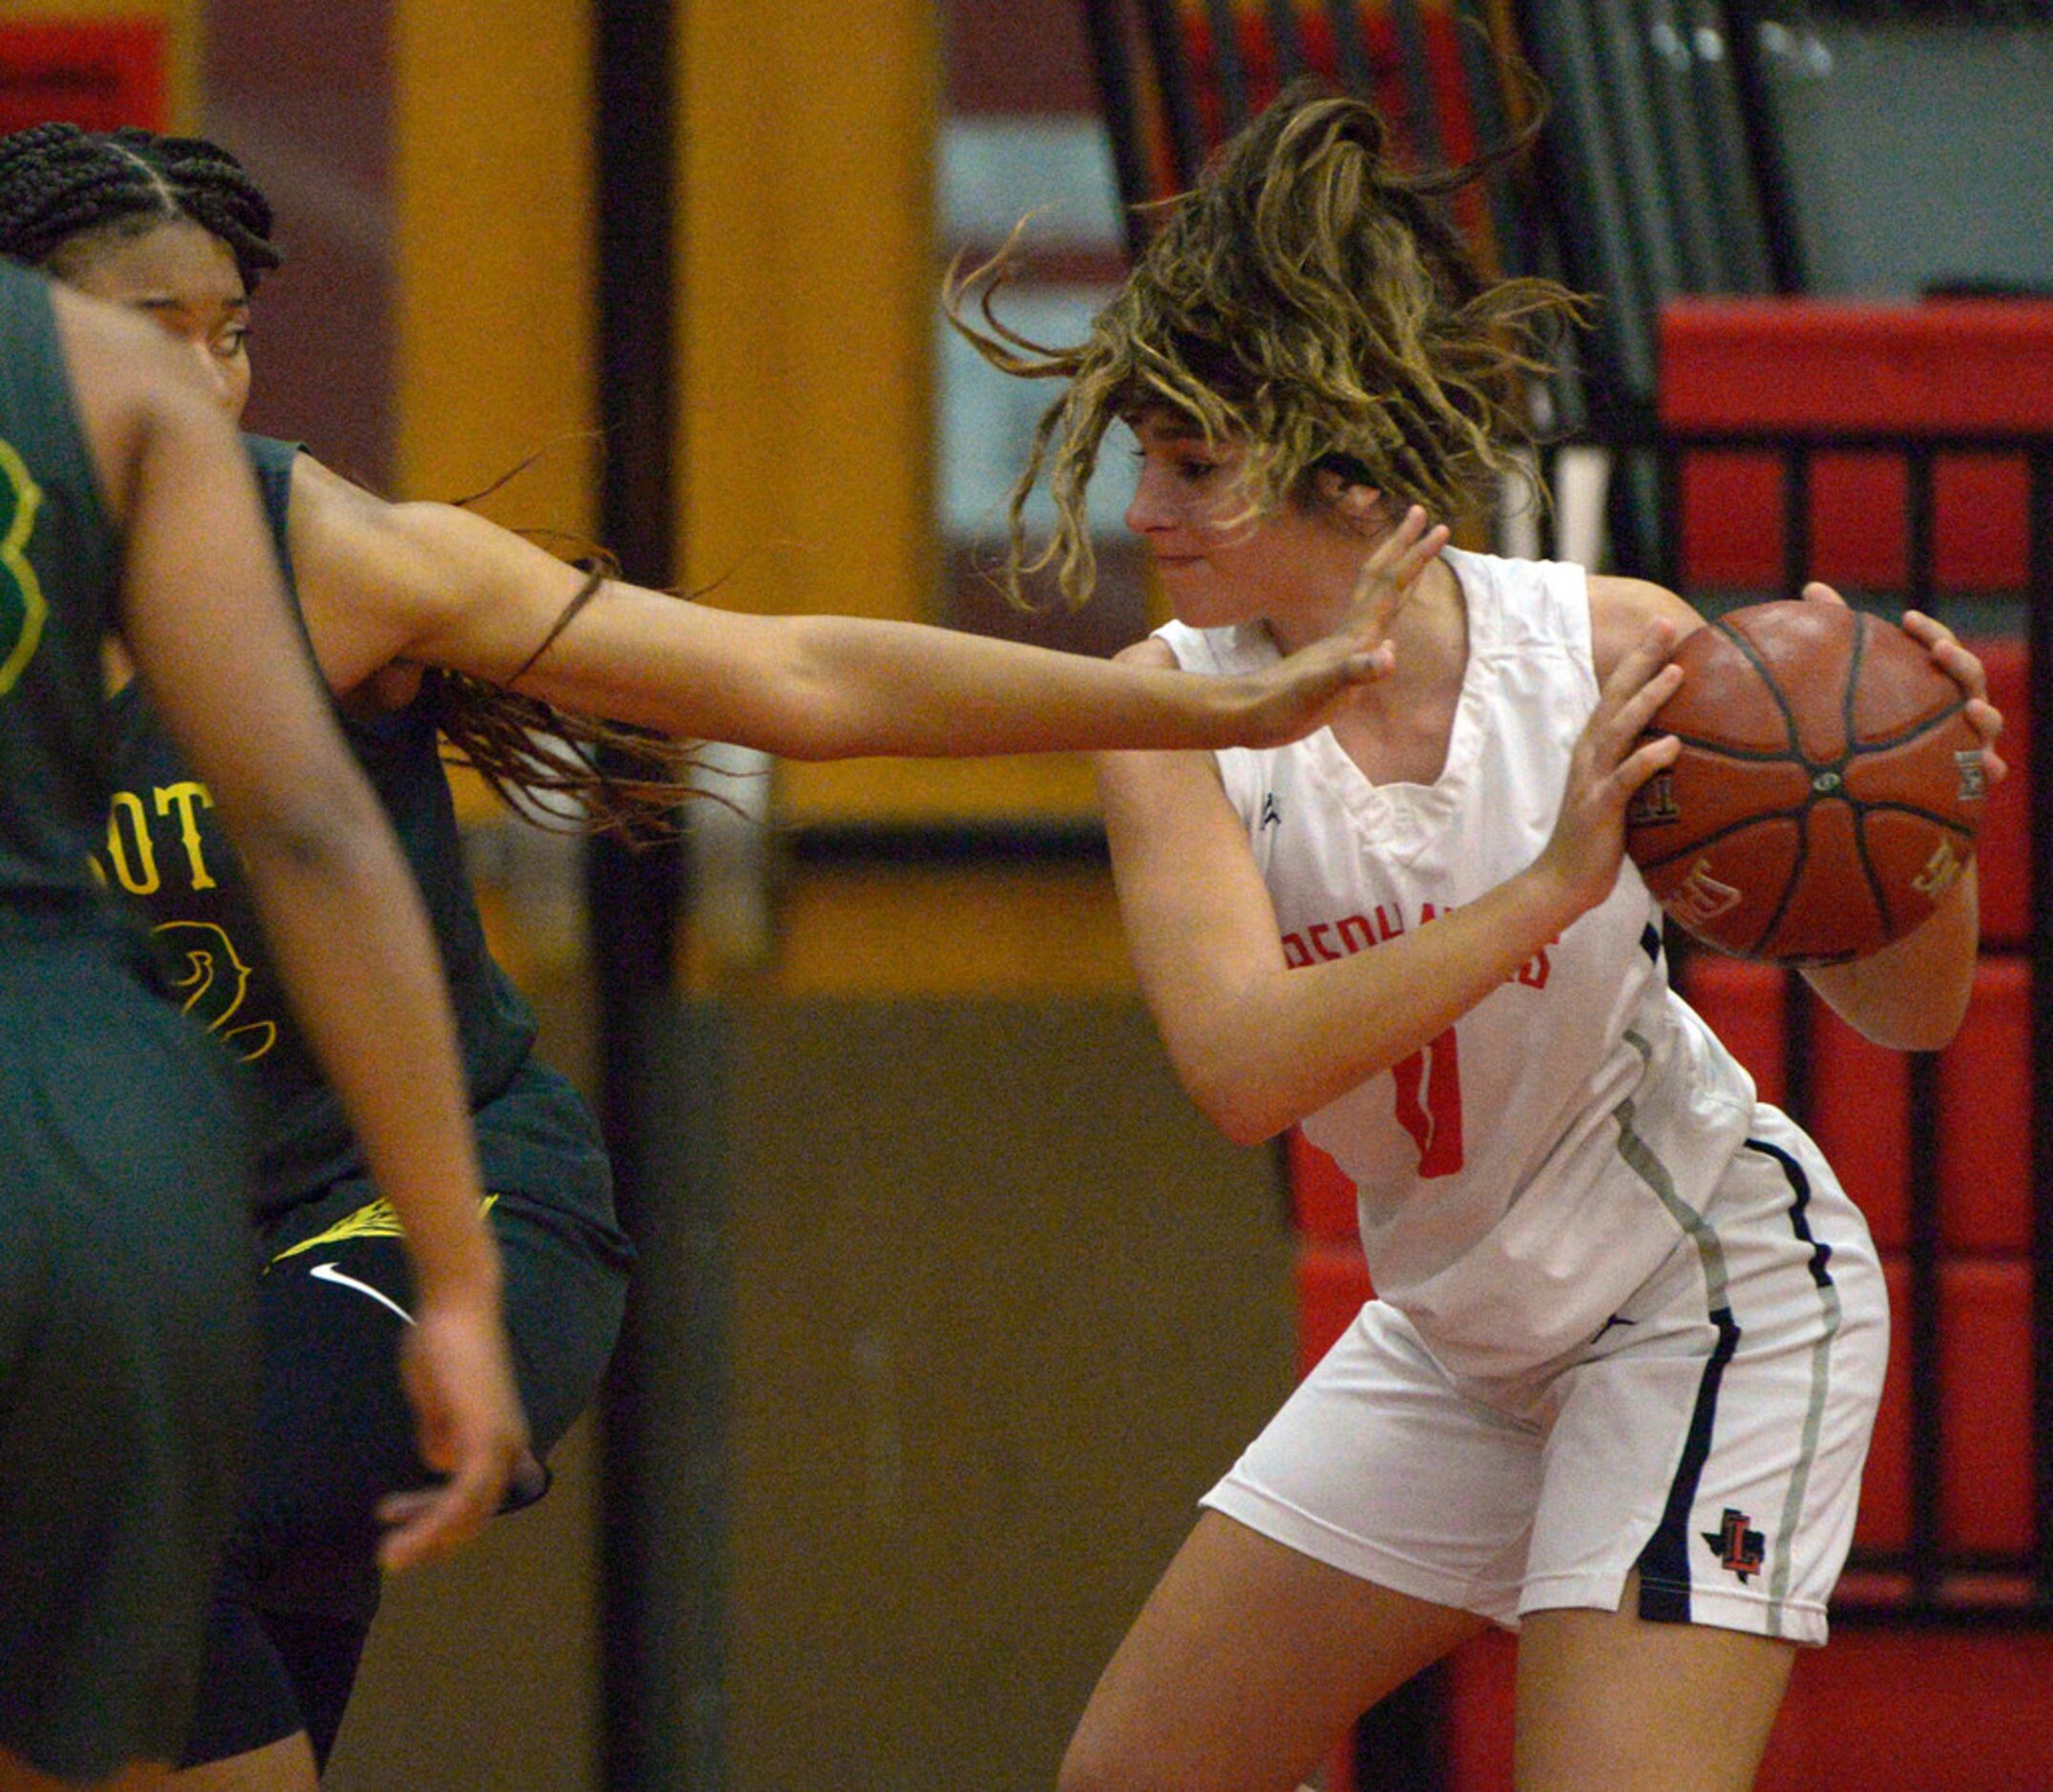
(1710, 1435)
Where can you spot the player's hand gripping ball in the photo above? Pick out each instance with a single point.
(1827, 790)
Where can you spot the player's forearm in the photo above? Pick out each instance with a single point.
(1912, 996)
(1298, 1039)
(863, 687)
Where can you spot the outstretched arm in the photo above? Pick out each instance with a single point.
(206, 620)
(435, 584)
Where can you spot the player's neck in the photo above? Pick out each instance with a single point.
(1430, 634)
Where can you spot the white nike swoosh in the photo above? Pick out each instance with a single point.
(330, 1272)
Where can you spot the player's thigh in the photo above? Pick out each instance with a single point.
(123, 1417)
(1713, 1440)
(565, 1296)
(1380, 1517)
(1245, 1663)
(1609, 1701)
(336, 1430)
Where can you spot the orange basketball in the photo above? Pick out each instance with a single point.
(1827, 790)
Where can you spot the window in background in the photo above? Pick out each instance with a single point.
(1021, 133)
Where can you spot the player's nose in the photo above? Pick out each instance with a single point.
(220, 378)
(1146, 513)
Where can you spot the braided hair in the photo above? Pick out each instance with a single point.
(63, 190)
(59, 183)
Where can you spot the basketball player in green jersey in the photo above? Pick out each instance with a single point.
(126, 1356)
(425, 619)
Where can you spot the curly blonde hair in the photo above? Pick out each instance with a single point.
(1306, 300)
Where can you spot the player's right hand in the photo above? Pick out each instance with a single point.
(1302, 692)
(470, 1428)
(1611, 761)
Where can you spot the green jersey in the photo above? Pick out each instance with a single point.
(163, 847)
(60, 567)
(127, 1347)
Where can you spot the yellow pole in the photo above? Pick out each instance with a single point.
(809, 284)
(805, 140)
(493, 197)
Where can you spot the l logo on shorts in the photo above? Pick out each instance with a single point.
(1738, 1548)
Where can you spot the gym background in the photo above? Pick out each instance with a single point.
(950, 1305)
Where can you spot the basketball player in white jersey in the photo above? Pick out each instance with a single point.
(1618, 1383)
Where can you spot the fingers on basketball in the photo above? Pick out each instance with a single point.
(1827, 791)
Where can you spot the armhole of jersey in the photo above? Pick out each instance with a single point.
(272, 462)
(1196, 652)
(1569, 585)
(1185, 644)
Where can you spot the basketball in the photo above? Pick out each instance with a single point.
(1827, 790)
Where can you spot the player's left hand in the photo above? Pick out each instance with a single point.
(1959, 665)
(459, 1380)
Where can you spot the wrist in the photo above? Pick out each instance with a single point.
(1544, 902)
(1225, 706)
(461, 1269)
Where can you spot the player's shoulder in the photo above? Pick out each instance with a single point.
(1621, 609)
(342, 532)
(330, 496)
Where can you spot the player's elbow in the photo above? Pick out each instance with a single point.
(1250, 1129)
(1238, 1109)
(1899, 1013)
(319, 825)
(806, 705)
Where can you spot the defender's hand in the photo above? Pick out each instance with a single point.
(459, 1381)
(1302, 693)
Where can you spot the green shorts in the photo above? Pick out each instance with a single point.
(300, 1580)
(127, 1273)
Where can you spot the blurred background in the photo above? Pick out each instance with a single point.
(948, 1305)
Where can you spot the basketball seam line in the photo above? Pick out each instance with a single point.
(1861, 807)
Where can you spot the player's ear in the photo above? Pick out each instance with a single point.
(1344, 484)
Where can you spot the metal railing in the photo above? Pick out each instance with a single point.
(1931, 1577)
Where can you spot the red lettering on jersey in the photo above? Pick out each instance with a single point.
(1357, 934)
(1429, 1104)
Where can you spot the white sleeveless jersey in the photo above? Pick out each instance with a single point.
(1525, 1173)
